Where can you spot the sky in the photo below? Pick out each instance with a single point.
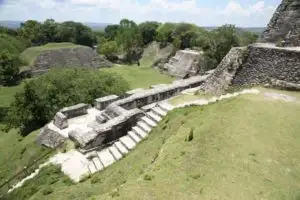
(243, 13)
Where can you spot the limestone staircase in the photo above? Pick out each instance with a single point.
(98, 160)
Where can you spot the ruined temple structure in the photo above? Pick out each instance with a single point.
(184, 64)
(284, 25)
(264, 63)
(112, 116)
(67, 57)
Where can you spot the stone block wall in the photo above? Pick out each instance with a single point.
(267, 61)
(69, 57)
(184, 63)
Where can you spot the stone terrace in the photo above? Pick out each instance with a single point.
(111, 118)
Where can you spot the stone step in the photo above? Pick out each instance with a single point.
(159, 111)
(127, 142)
(144, 126)
(106, 157)
(134, 136)
(154, 116)
(149, 121)
(140, 132)
(92, 167)
(121, 148)
(165, 106)
(115, 152)
(98, 164)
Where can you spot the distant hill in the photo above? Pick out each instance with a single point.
(97, 26)
(17, 24)
(257, 30)
(101, 26)
(11, 24)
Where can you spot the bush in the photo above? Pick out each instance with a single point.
(95, 179)
(108, 48)
(9, 67)
(41, 98)
(190, 136)
(47, 191)
(148, 177)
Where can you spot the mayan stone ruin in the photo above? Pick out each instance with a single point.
(264, 63)
(111, 117)
(284, 25)
(184, 64)
(71, 57)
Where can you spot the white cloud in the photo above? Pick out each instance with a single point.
(256, 14)
(234, 8)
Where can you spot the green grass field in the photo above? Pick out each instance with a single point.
(140, 77)
(242, 148)
(30, 54)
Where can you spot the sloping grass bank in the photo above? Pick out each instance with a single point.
(241, 148)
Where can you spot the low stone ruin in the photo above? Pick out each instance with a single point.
(110, 118)
(184, 64)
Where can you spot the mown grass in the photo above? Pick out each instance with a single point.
(241, 148)
(140, 76)
(30, 54)
(16, 152)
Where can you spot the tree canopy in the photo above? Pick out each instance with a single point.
(42, 97)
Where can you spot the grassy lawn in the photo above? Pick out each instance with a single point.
(242, 148)
(183, 98)
(140, 77)
(30, 54)
(15, 151)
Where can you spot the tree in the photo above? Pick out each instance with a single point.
(9, 67)
(148, 31)
(129, 40)
(164, 32)
(108, 48)
(31, 30)
(111, 31)
(42, 97)
(49, 30)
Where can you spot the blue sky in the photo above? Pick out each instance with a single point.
(246, 13)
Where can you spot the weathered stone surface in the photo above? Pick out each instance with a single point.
(267, 61)
(285, 20)
(70, 57)
(49, 138)
(224, 73)
(184, 64)
(102, 102)
(86, 137)
(76, 110)
(60, 120)
(261, 61)
(283, 85)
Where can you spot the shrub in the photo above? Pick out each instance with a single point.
(47, 191)
(190, 136)
(9, 67)
(95, 179)
(148, 177)
(41, 98)
(67, 181)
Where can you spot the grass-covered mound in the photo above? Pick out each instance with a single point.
(144, 75)
(242, 148)
(30, 54)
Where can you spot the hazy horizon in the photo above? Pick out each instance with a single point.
(206, 13)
